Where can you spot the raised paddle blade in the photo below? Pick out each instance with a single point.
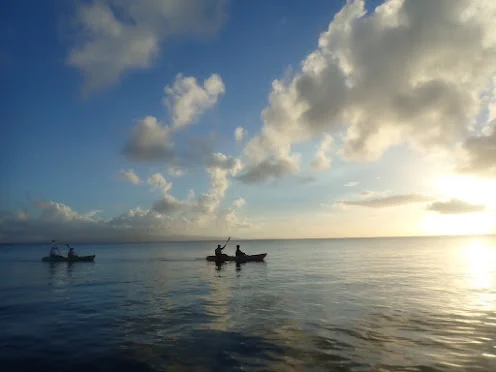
(226, 242)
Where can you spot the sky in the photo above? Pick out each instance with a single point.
(190, 119)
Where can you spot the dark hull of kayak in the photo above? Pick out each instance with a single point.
(72, 259)
(240, 259)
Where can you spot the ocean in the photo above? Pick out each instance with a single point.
(385, 304)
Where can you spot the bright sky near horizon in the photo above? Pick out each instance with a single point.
(168, 119)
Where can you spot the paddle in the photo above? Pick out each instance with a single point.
(57, 248)
(228, 239)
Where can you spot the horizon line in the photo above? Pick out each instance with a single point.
(214, 239)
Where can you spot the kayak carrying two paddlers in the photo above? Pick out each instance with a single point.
(56, 256)
(239, 256)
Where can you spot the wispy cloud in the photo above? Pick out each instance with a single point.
(455, 206)
(387, 201)
(175, 172)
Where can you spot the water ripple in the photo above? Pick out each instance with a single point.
(355, 305)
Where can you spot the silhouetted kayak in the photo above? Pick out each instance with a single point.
(66, 259)
(239, 259)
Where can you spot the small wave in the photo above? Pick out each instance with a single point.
(180, 259)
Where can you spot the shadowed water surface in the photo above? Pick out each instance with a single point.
(425, 304)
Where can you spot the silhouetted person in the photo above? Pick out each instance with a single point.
(218, 250)
(54, 252)
(238, 251)
(71, 253)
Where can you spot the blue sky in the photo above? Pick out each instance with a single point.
(359, 79)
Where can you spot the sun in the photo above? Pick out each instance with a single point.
(462, 224)
(470, 190)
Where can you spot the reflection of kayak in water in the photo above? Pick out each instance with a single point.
(239, 259)
(66, 259)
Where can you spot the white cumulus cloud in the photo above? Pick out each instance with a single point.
(205, 208)
(221, 161)
(238, 203)
(149, 141)
(239, 134)
(129, 175)
(187, 100)
(158, 181)
(478, 155)
(152, 141)
(115, 36)
(410, 71)
(322, 159)
(168, 217)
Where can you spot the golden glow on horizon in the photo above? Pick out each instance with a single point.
(458, 224)
(469, 189)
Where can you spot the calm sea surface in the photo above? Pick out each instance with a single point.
(425, 304)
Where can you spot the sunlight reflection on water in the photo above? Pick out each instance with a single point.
(347, 305)
(479, 259)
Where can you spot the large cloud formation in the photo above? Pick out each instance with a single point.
(115, 36)
(168, 218)
(420, 72)
(410, 71)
